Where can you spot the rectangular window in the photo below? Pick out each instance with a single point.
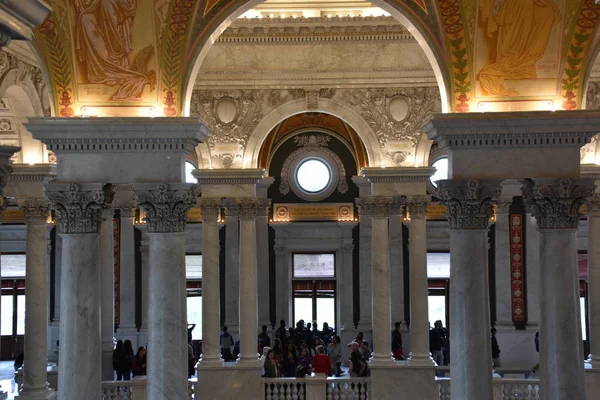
(193, 266)
(194, 315)
(12, 265)
(437, 309)
(438, 265)
(21, 314)
(583, 314)
(6, 316)
(314, 265)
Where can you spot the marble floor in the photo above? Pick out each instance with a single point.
(7, 380)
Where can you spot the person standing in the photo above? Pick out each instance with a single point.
(334, 351)
(263, 340)
(127, 363)
(226, 343)
(495, 349)
(397, 342)
(117, 360)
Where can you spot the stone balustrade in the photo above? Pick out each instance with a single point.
(504, 389)
(351, 389)
(316, 388)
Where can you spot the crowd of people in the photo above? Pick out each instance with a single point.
(125, 363)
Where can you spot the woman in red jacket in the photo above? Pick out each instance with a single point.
(321, 364)
(139, 362)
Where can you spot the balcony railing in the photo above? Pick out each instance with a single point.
(349, 389)
(284, 389)
(504, 389)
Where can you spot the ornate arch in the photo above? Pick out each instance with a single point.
(207, 19)
(375, 154)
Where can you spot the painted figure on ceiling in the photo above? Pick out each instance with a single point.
(104, 43)
(523, 28)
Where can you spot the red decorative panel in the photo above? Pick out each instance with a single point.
(117, 269)
(517, 270)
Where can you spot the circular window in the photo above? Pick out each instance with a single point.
(441, 172)
(313, 175)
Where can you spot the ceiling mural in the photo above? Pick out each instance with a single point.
(136, 57)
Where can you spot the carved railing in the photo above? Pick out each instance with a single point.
(124, 390)
(521, 389)
(504, 389)
(191, 387)
(443, 388)
(348, 389)
(284, 389)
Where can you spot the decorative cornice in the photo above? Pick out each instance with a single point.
(229, 176)
(590, 171)
(33, 173)
(380, 206)
(417, 206)
(210, 208)
(78, 207)
(509, 130)
(469, 204)
(125, 135)
(166, 205)
(247, 208)
(36, 210)
(556, 203)
(375, 175)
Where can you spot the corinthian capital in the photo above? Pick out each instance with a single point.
(469, 204)
(417, 206)
(78, 207)
(166, 205)
(36, 210)
(247, 208)
(593, 207)
(210, 208)
(380, 206)
(556, 203)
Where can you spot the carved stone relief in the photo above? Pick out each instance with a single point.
(593, 96)
(394, 114)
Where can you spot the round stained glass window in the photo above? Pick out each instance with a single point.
(313, 175)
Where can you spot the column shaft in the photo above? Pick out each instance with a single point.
(232, 273)
(365, 231)
(470, 349)
(594, 286)
(127, 295)
(419, 323)
(107, 287)
(503, 266)
(36, 304)
(80, 353)
(210, 285)
(262, 259)
(561, 355)
(380, 279)
(248, 292)
(167, 352)
(282, 302)
(396, 268)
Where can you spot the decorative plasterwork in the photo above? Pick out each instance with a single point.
(556, 203)
(319, 29)
(25, 70)
(78, 208)
(417, 206)
(380, 206)
(166, 205)
(247, 208)
(469, 204)
(312, 147)
(395, 114)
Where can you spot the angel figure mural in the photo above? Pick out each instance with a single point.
(523, 29)
(104, 44)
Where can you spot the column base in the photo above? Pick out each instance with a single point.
(415, 383)
(420, 360)
(592, 382)
(36, 394)
(248, 362)
(108, 374)
(210, 362)
(382, 361)
(593, 361)
(231, 381)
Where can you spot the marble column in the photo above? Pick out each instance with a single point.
(379, 208)
(211, 310)
(262, 260)
(145, 253)
(166, 207)
(347, 295)
(248, 209)
(396, 268)
(282, 285)
(232, 271)
(594, 280)
(503, 264)
(419, 291)
(469, 209)
(35, 374)
(365, 232)
(555, 204)
(107, 287)
(78, 211)
(127, 327)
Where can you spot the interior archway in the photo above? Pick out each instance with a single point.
(400, 12)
